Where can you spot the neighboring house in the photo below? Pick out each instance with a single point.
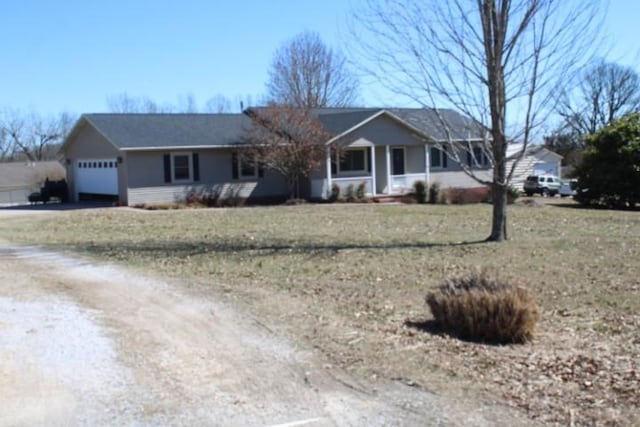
(19, 179)
(138, 158)
(537, 160)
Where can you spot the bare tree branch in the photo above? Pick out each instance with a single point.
(306, 73)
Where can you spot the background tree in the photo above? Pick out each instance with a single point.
(287, 140)
(568, 144)
(124, 103)
(306, 73)
(31, 136)
(496, 61)
(218, 104)
(606, 92)
(609, 174)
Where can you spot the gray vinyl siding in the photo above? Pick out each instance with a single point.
(146, 179)
(414, 159)
(458, 179)
(382, 131)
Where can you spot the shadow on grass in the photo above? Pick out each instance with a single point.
(429, 326)
(434, 328)
(57, 207)
(191, 248)
(578, 206)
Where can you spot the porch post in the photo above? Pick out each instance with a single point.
(328, 164)
(387, 154)
(373, 170)
(427, 165)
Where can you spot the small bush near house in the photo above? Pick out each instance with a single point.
(434, 193)
(361, 191)
(464, 196)
(512, 195)
(335, 193)
(350, 193)
(160, 206)
(294, 202)
(420, 191)
(479, 307)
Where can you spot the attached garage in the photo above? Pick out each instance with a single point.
(96, 179)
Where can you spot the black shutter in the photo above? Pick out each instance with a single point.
(370, 159)
(260, 170)
(167, 168)
(334, 166)
(444, 157)
(469, 158)
(234, 165)
(196, 167)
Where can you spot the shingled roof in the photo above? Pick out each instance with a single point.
(149, 131)
(162, 131)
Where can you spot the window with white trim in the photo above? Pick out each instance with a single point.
(479, 158)
(248, 168)
(353, 160)
(438, 158)
(181, 167)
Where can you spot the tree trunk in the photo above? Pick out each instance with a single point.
(499, 218)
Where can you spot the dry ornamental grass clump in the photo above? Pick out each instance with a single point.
(479, 307)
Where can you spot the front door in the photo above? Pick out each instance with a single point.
(397, 164)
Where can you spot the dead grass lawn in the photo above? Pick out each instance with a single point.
(350, 281)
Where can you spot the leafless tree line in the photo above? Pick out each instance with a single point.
(32, 137)
(125, 103)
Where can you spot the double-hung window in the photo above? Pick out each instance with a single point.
(244, 166)
(247, 167)
(477, 158)
(181, 167)
(353, 160)
(438, 158)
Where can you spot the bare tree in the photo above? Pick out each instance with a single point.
(31, 136)
(496, 61)
(187, 104)
(287, 140)
(6, 148)
(124, 103)
(606, 92)
(218, 104)
(305, 73)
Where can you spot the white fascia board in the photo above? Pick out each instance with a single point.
(180, 147)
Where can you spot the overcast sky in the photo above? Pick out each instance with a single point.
(71, 55)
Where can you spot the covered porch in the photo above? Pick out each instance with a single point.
(382, 169)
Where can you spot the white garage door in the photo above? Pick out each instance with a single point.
(97, 176)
